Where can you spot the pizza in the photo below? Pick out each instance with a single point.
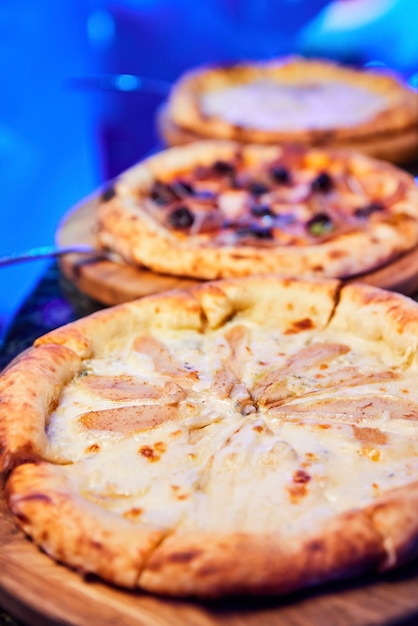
(248, 436)
(221, 209)
(311, 101)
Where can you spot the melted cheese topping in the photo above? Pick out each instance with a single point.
(241, 428)
(270, 105)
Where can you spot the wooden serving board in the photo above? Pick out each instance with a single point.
(109, 282)
(39, 592)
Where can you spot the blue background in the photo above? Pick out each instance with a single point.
(59, 141)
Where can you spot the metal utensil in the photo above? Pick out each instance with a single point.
(49, 252)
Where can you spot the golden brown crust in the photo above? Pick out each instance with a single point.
(273, 564)
(184, 118)
(72, 530)
(125, 223)
(104, 328)
(252, 297)
(49, 507)
(379, 315)
(29, 390)
(394, 518)
(381, 537)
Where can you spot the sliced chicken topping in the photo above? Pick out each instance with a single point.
(273, 387)
(351, 410)
(227, 385)
(129, 419)
(238, 339)
(297, 386)
(127, 388)
(227, 382)
(164, 361)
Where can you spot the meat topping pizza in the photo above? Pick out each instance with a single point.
(218, 209)
(270, 203)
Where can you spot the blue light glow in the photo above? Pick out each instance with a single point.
(127, 82)
(413, 81)
(375, 63)
(100, 27)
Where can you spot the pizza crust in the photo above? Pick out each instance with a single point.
(88, 336)
(184, 119)
(72, 530)
(375, 315)
(379, 538)
(29, 390)
(399, 147)
(126, 225)
(272, 564)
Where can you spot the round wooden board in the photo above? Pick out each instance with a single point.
(109, 282)
(40, 592)
(106, 281)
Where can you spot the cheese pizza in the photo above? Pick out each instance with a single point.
(248, 436)
(310, 101)
(220, 209)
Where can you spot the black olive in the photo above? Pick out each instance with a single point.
(280, 175)
(182, 188)
(261, 210)
(161, 193)
(223, 167)
(366, 211)
(320, 224)
(257, 189)
(108, 193)
(322, 183)
(181, 218)
(255, 231)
